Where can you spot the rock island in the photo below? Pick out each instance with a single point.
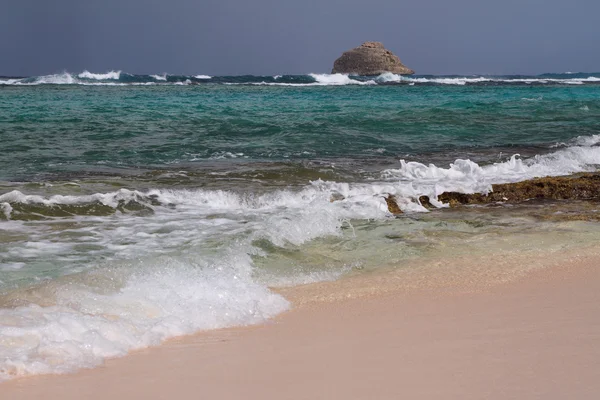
(370, 58)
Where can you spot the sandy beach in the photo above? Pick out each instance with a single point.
(535, 336)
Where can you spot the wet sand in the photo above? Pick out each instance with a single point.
(379, 336)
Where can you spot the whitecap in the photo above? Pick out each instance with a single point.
(337, 80)
(466, 176)
(162, 77)
(114, 75)
(59, 79)
(147, 303)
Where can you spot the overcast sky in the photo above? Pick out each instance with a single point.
(232, 37)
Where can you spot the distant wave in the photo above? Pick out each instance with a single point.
(162, 77)
(318, 80)
(119, 78)
(112, 75)
(458, 80)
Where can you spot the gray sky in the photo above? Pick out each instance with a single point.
(231, 37)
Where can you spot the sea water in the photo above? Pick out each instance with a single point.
(134, 208)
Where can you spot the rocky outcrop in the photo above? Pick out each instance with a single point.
(392, 205)
(584, 186)
(575, 187)
(370, 58)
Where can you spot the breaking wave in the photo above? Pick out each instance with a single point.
(162, 77)
(118, 78)
(112, 75)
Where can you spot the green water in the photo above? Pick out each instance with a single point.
(49, 130)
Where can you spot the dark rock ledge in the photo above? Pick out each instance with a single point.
(584, 186)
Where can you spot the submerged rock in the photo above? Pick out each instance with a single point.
(370, 58)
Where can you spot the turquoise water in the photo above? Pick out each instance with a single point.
(137, 208)
(63, 128)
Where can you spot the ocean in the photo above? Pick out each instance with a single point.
(135, 208)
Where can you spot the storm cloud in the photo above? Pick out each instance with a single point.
(233, 37)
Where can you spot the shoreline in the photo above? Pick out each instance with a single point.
(380, 335)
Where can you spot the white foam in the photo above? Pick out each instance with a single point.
(535, 99)
(10, 81)
(466, 176)
(192, 286)
(449, 81)
(461, 81)
(6, 209)
(225, 154)
(59, 79)
(389, 77)
(162, 298)
(109, 199)
(86, 77)
(337, 80)
(115, 75)
(11, 266)
(320, 80)
(588, 141)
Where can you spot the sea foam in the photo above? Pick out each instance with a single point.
(115, 78)
(338, 80)
(151, 301)
(466, 176)
(106, 76)
(115, 305)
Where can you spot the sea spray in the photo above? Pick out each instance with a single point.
(119, 78)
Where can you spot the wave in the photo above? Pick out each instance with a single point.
(461, 81)
(410, 180)
(162, 77)
(338, 79)
(466, 176)
(118, 78)
(90, 317)
(112, 75)
(79, 320)
(317, 80)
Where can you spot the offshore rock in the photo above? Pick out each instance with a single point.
(584, 186)
(370, 58)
